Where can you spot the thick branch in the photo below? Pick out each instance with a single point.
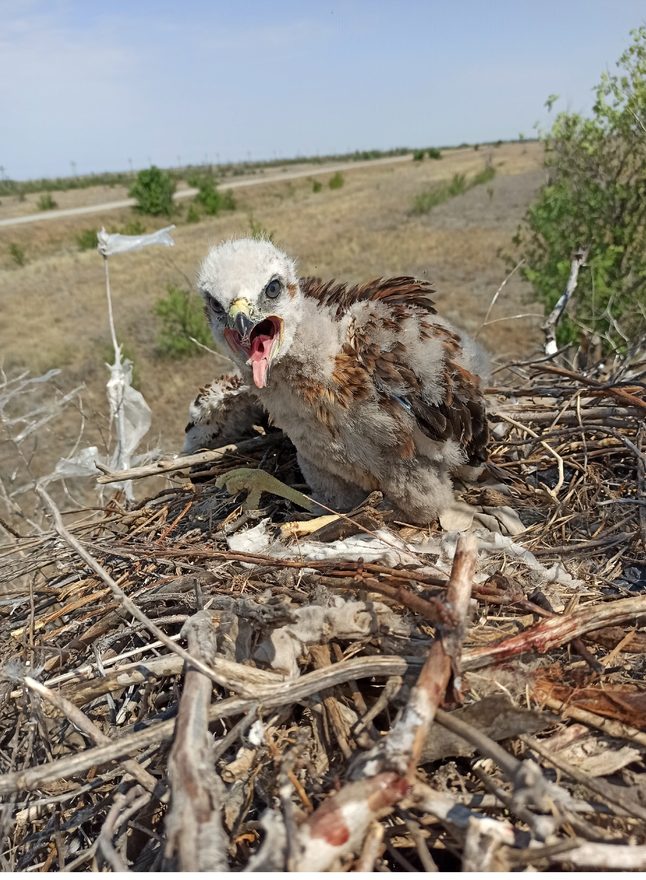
(183, 462)
(194, 823)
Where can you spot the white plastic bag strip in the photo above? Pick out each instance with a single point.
(114, 243)
(130, 410)
(132, 417)
(83, 464)
(47, 413)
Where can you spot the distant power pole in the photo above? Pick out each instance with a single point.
(73, 167)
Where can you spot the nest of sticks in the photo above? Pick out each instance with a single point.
(463, 701)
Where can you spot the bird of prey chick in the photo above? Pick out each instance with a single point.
(373, 388)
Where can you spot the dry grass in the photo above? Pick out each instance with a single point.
(54, 309)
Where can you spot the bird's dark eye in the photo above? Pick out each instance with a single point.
(274, 288)
(214, 307)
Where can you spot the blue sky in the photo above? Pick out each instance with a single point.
(106, 84)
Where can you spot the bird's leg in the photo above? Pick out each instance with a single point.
(329, 488)
(255, 482)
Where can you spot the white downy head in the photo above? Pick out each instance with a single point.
(253, 302)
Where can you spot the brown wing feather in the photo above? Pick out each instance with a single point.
(404, 294)
(460, 415)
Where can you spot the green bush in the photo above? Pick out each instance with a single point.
(46, 202)
(211, 200)
(17, 254)
(442, 192)
(457, 186)
(317, 186)
(336, 181)
(193, 214)
(418, 155)
(153, 190)
(181, 316)
(434, 153)
(86, 239)
(488, 173)
(133, 227)
(429, 199)
(595, 197)
(196, 178)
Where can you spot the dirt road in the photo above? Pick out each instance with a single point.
(312, 171)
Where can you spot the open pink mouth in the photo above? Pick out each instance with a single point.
(259, 346)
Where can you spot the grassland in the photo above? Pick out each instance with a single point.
(54, 312)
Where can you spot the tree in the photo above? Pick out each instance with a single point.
(596, 197)
(153, 189)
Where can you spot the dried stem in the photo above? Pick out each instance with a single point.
(80, 720)
(578, 260)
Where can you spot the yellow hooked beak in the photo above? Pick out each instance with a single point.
(239, 317)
